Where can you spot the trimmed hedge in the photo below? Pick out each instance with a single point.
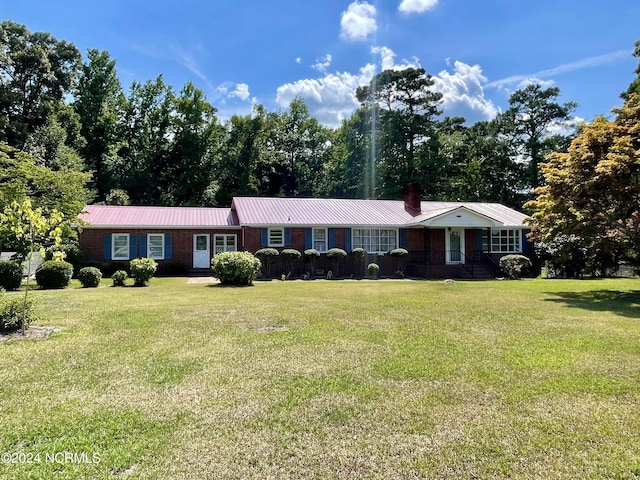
(89, 277)
(267, 257)
(119, 278)
(10, 275)
(54, 274)
(235, 268)
(514, 265)
(142, 270)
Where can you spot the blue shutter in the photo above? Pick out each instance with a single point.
(133, 251)
(479, 234)
(402, 238)
(106, 247)
(143, 245)
(168, 247)
(347, 239)
(526, 245)
(308, 238)
(287, 236)
(332, 238)
(264, 237)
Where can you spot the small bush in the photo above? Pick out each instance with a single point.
(358, 258)
(267, 257)
(514, 265)
(235, 268)
(291, 257)
(373, 269)
(53, 274)
(311, 256)
(89, 277)
(72, 255)
(12, 310)
(335, 255)
(10, 275)
(399, 258)
(119, 277)
(172, 268)
(142, 270)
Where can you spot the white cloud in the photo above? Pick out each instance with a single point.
(241, 91)
(298, 60)
(388, 62)
(358, 22)
(331, 98)
(416, 6)
(323, 63)
(463, 93)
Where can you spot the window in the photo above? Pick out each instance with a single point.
(376, 240)
(276, 237)
(319, 239)
(155, 246)
(224, 243)
(120, 246)
(505, 241)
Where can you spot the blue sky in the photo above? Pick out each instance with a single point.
(270, 52)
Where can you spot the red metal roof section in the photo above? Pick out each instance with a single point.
(168, 217)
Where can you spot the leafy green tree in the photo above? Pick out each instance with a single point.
(186, 171)
(528, 121)
(37, 72)
(634, 87)
(98, 103)
(403, 109)
(61, 190)
(593, 190)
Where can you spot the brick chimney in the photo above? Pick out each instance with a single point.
(412, 198)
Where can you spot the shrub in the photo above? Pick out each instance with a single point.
(142, 270)
(172, 268)
(10, 275)
(119, 277)
(358, 259)
(373, 269)
(267, 257)
(72, 255)
(291, 256)
(89, 277)
(54, 274)
(12, 310)
(399, 257)
(235, 268)
(311, 255)
(514, 265)
(335, 256)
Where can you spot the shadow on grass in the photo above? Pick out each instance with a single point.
(625, 303)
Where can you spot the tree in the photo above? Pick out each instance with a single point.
(37, 71)
(403, 107)
(634, 87)
(22, 176)
(532, 112)
(593, 190)
(98, 101)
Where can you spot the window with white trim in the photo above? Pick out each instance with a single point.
(276, 237)
(224, 243)
(319, 237)
(119, 246)
(155, 246)
(506, 241)
(375, 240)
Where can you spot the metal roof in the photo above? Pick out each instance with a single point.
(111, 216)
(262, 212)
(257, 211)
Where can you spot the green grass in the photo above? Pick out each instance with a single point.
(370, 379)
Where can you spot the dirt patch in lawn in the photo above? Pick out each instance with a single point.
(210, 280)
(32, 333)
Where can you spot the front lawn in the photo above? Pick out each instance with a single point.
(327, 379)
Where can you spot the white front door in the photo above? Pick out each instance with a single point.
(455, 245)
(201, 251)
